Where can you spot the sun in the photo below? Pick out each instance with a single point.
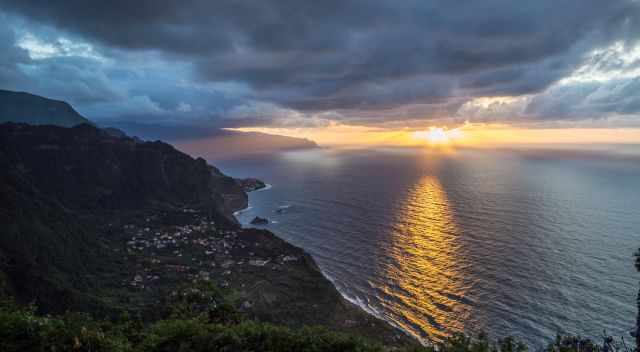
(438, 135)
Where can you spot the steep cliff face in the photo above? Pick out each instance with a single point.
(58, 186)
(37, 110)
(85, 168)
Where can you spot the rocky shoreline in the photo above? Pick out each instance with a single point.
(250, 184)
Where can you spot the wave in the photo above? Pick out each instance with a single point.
(267, 186)
(238, 212)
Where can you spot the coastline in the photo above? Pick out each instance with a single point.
(238, 212)
(249, 207)
(267, 186)
(383, 330)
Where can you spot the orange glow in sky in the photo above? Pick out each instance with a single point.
(480, 135)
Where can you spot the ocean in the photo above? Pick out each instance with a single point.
(511, 243)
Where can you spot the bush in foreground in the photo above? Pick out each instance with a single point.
(21, 329)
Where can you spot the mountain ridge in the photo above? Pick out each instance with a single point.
(23, 107)
(211, 142)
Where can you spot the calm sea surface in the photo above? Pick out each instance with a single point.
(511, 243)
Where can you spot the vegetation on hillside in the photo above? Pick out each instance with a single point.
(203, 318)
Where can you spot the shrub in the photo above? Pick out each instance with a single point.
(206, 301)
(194, 336)
(22, 330)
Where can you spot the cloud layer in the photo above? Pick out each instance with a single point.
(242, 62)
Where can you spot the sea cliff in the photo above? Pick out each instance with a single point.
(102, 223)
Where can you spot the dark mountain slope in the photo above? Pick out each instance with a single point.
(85, 168)
(37, 110)
(45, 254)
(59, 185)
(101, 224)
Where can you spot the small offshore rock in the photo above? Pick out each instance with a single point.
(259, 221)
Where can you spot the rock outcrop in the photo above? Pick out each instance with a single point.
(250, 184)
(259, 221)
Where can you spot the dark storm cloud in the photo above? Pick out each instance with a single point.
(11, 56)
(104, 85)
(357, 57)
(64, 77)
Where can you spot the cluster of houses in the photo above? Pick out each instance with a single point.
(146, 238)
(197, 251)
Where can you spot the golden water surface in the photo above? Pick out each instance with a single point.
(424, 273)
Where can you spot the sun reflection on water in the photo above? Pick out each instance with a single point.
(423, 274)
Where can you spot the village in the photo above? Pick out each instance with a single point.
(194, 251)
(169, 252)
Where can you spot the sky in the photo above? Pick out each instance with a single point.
(336, 71)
